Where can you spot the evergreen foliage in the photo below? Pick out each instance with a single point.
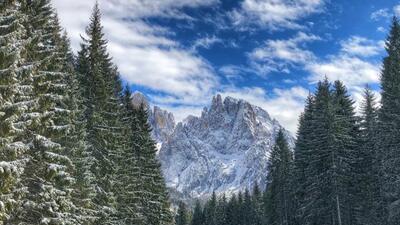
(15, 103)
(279, 202)
(389, 126)
(182, 216)
(369, 167)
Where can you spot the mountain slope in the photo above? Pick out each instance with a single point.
(226, 149)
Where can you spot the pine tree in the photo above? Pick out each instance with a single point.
(302, 155)
(182, 217)
(210, 210)
(198, 217)
(325, 157)
(49, 174)
(278, 204)
(369, 166)
(389, 125)
(129, 187)
(15, 103)
(257, 204)
(221, 213)
(154, 198)
(320, 200)
(346, 131)
(103, 113)
(233, 210)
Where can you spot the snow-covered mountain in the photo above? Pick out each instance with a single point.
(226, 149)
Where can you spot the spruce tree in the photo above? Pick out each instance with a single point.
(278, 201)
(182, 216)
(210, 210)
(389, 125)
(346, 133)
(128, 183)
(198, 217)
(49, 174)
(154, 198)
(15, 104)
(103, 115)
(369, 166)
(302, 155)
(221, 213)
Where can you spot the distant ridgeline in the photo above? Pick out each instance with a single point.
(73, 149)
(344, 170)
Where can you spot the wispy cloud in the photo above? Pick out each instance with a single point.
(207, 42)
(274, 14)
(280, 55)
(362, 47)
(380, 13)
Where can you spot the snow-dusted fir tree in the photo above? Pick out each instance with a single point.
(128, 184)
(327, 138)
(15, 103)
(102, 115)
(49, 174)
(302, 155)
(389, 124)
(155, 208)
(320, 196)
(278, 202)
(345, 155)
(368, 195)
(182, 215)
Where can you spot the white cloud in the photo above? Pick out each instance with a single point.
(144, 53)
(385, 13)
(381, 29)
(279, 55)
(396, 10)
(285, 105)
(353, 71)
(275, 14)
(206, 42)
(351, 65)
(361, 46)
(381, 13)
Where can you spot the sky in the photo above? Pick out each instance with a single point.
(180, 53)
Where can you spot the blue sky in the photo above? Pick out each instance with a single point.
(270, 52)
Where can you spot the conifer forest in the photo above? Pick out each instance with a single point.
(74, 150)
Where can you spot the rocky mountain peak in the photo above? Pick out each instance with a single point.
(139, 98)
(224, 150)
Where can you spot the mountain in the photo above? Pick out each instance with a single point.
(161, 121)
(226, 149)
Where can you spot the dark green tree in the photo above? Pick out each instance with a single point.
(278, 200)
(154, 197)
(210, 210)
(182, 216)
(198, 217)
(302, 155)
(49, 174)
(15, 104)
(369, 166)
(389, 125)
(103, 111)
(346, 136)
